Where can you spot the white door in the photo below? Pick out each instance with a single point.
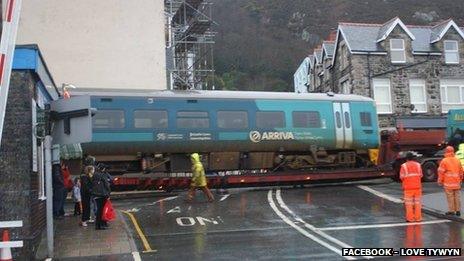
(348, 128)
(339, 133)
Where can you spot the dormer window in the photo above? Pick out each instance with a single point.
(397, 51)
(451, 52)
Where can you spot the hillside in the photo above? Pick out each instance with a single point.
(260, 43)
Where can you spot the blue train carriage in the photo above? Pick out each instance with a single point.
(155, 132)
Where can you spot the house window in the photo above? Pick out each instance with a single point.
(343, 56)
(397, 51)
(382, 95)
(346, 87)
(418, 96)
(451, 52)
(452, 94)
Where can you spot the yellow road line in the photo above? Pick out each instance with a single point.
(139, 231)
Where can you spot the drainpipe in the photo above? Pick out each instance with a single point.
(369, 77)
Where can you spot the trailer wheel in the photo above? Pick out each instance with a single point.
(429, 170)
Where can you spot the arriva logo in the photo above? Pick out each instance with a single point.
(256, 136)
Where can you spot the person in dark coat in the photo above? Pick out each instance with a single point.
(101, 192)
(58, 191)
(86, 193)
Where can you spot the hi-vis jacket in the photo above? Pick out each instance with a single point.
(460, 154)
(450, 171)
(198, 172)
(411, 175)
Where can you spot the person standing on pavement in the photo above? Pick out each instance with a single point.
(198, 178)
(411, 175)
(86, 189)
(101, 192)
(450, 177)
(76, 195)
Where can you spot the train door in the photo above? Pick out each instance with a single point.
(343, 128)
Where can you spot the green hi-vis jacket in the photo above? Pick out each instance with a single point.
(198, 172)
(460, 154)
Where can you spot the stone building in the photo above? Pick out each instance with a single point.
(409, 70)
(22, 185)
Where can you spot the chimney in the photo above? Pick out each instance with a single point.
(332, 36)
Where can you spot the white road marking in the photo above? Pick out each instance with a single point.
(380, 194)
(224, 197)
(136, 256)
(301, 230)
(385, 225)
(174, 210)
(161, 200)
(309, 226)
(133, 210)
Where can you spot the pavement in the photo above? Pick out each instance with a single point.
(311, 223)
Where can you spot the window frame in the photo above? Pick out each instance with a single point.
(247, 121)
(307, 127)
(451, 51)
(403, 50)
(418, 83)
(148, 110)
(380, 82)
(444, 85)
(280, 112)
(207, 117)
(124, 124)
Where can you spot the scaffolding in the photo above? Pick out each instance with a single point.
(190, 42)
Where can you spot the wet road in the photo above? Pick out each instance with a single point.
(310, 223)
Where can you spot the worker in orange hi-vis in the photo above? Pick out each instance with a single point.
(66, 94)
(411, 175)
(450, 177)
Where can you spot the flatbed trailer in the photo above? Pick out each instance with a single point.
(173, 181)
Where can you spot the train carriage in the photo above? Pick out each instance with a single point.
(155, 131)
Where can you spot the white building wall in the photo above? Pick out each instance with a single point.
(300, 78)
(99, 43)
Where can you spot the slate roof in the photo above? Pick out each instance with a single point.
(328, 48)
(364, 37)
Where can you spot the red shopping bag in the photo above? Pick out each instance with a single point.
(108, 211)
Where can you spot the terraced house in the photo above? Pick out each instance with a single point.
(409, 70)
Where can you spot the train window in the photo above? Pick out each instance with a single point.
(192, 119)
(232, 119)
(365, 119)
(192, 114)
(150, 119)
(338, 119)
(306, 119)
(347, 120)
(270, 119)
(108, 119)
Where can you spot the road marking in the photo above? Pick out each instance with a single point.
(380, 194)
(139, 231)
(136, 256)
(301, 230)
(133, 210)
(174, 210)
(309, 226)
(161, 200)
(224, 197)
(385, 225)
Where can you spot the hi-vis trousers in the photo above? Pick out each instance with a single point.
(412, 203)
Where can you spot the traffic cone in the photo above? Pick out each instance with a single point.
(5, 253)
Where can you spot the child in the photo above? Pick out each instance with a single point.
(76, 194)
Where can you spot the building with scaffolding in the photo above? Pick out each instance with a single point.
(189, 52)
